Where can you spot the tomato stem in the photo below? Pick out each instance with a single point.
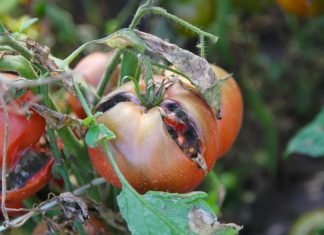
(82, 99)
(147, 8)
(7, 39)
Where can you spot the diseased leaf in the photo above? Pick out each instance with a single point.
(195, 67)
(310, 139)
(204, 222)
(167, 213)
(41, 55)
(58, 120)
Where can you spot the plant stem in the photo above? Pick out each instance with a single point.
(202, 46)
(108, 73)
(82, 99)
(59, 163)
(121, 177)
(4, 161)
(148, 9)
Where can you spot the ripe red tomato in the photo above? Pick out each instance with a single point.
(92, 68)
(28, 170)
(303, 7)
(231, 111)
(157, 148)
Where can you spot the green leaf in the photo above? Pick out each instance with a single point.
(310, 139)
(97, 133)
(165, 213)
(27, 24)
(18, 64)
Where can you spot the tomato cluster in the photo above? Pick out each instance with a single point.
(28, 163)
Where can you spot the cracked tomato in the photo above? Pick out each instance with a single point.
(169, 147)
(28, 167)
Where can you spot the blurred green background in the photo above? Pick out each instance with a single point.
(275, 56)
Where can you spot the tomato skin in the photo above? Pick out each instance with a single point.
(231, 111)
(23, 135)
(145, 152)
(92, 68)
(303, 7)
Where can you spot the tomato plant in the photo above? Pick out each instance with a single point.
(157, 148)
(303, 7)
(152, 133)
(92, 69)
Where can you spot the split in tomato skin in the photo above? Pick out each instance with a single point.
(231, 111)
(31, 173)
(157, 148)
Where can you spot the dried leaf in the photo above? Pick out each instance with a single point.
(58, 120)
(79, 213)
(41, 55)
(195, 67)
